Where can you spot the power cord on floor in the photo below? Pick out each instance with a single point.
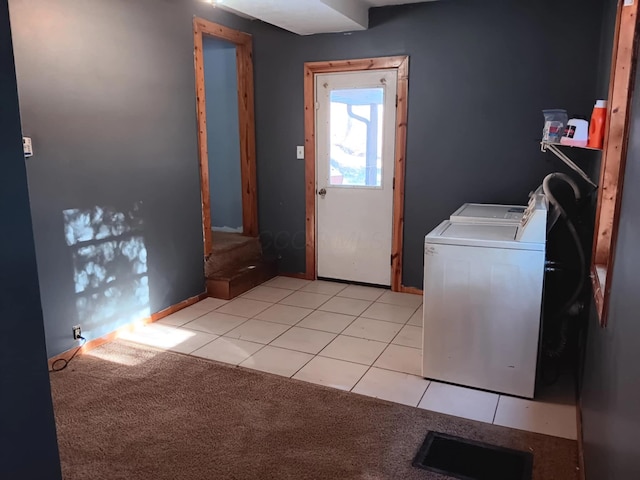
(66, 362)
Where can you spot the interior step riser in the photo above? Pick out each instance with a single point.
(222, 260)
(250, 274)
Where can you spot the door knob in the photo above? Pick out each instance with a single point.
(322, 192)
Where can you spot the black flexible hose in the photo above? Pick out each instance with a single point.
(574, 234)
(568, 180)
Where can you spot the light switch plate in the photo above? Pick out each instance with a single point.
(300, 152)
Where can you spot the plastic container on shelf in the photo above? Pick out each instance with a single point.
(596, 128)
(555, 121)
(576, 133)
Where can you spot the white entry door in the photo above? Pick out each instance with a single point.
(355, 145)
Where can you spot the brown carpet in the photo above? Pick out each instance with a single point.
(131, 412)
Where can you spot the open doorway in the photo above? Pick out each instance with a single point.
(223, 134)
(226, 132)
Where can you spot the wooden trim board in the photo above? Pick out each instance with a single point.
(615, 152)
(202, 141)
(401, 64)
(110, 337)
(411, 290)
(246, 116)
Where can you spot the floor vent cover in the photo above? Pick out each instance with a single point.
(469, 460)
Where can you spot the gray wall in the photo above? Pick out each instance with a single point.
(611, 382)
(28, 442)
(223, 132)
(480, 74)
(611, 379)
(107, 94)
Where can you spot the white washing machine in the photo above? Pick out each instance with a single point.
(483, 302)
(488, 213)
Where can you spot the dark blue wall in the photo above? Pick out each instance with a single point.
(28, 445)
(223, 132)
(480, 74)
(107, 92)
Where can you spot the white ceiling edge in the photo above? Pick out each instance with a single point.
(309, 17)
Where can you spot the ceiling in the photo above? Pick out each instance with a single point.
(307, 17)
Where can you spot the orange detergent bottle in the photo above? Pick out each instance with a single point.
(596, 128)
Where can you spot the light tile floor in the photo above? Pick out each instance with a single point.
(363, 339)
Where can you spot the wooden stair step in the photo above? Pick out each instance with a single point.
(229, 249)
(234, 280)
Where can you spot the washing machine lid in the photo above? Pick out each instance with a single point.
(479, 235)
(488, 213)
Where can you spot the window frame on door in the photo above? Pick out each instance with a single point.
(311, 69)
(623, 62)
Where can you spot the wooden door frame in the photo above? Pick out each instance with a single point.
(246, 115)
(311, 69)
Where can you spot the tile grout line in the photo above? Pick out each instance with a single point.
(269, 301)
(356, 298)
(365, 339)
(381, 353)
(222, 313)
(219, 334)
(336, 336)
(259, 350)
(496, 410)
(305, 363)
(290, 327)
(312, 355)
(424, 393)
(201, 346)
(359, 379)
(312, 293)
(294, 325)
(380, 320)
(188, 321)
(266, 284)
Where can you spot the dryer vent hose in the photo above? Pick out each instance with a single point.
(572, 230)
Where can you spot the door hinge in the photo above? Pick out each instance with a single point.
(396, 101)
(393, 187)
(391, 259)
(317, 105)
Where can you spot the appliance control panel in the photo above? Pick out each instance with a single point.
(533, 225)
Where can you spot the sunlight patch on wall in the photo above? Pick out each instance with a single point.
(98, 223)
(110, 266)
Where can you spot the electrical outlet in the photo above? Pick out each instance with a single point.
(27, 146)
(77, 332)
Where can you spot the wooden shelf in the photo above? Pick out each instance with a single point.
(553, 148)
(557, 144)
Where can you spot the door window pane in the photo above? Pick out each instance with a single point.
(356, 137)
